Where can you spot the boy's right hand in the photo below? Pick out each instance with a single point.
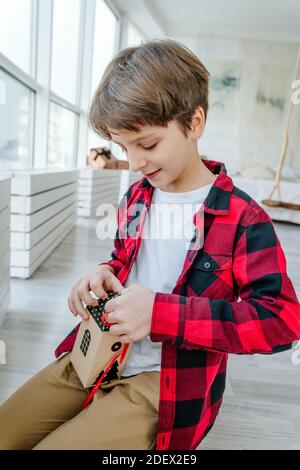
(100, 278)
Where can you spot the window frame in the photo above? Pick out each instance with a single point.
(38, 80)
(27, 82)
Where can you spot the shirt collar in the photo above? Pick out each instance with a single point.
(218, 199)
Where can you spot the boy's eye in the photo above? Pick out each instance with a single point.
(123, 150)
(149, 148)
(145, 148)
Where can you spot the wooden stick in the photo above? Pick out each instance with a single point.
(284, 145)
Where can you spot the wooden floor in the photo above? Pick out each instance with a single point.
(261, 407)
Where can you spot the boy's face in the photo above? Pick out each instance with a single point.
(165, 149)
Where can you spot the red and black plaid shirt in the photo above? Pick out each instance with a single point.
(233, 296)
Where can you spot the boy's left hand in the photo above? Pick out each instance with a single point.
(131, 313)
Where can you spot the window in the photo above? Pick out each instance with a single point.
(52, 56)
(16, 116)
(134, 38)
(65, 48)
(61, 145)
(85, 342)
(105, 27)
(16, 32)
(103, 51)
(104, 41)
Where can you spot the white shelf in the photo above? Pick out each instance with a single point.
(97, 187)
(26, 272)
(36, 202)
(43, 211)
(5, 187)
(25, 258)
(29, 222)
(27, 240)
(29, 182)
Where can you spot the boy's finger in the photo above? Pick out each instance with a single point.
(87, 298)
(110, 306)
(114, 284)
(80, 308)
(111, 317)
(116, 330)
(71, 306)
(98, 289)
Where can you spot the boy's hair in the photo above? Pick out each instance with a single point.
(154, 83)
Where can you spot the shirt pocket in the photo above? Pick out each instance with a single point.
(211, 275)
(214, 262)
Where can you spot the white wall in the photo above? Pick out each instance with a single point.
(247, 116)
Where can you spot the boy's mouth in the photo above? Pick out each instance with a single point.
(154, 173)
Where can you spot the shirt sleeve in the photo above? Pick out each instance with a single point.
(266, 317)
(118, 254)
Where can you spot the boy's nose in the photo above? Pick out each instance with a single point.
(136, 165)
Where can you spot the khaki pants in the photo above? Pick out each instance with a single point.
(45, 413)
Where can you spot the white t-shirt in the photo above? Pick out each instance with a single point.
(166, 237)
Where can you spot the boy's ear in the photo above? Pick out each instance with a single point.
(197, 123)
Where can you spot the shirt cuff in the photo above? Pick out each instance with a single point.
(168, 318)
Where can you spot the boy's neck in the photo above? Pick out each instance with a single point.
(194, 177)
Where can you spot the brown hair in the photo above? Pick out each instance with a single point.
(154, 83)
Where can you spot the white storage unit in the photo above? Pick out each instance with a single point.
(135, 176)
(97, 187)
(127, 179)
(4, 246)
(43, 211)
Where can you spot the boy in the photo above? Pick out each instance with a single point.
(183, 307)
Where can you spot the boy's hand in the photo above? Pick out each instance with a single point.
(96, 280)
(131, 313)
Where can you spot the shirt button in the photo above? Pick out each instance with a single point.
(168, 382)
(207, 264)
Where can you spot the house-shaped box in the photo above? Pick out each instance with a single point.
(95, 347)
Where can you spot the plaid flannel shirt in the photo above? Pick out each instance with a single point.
(233, 296)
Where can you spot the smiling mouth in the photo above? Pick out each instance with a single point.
(154, 173)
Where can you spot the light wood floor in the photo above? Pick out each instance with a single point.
(261, 407)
